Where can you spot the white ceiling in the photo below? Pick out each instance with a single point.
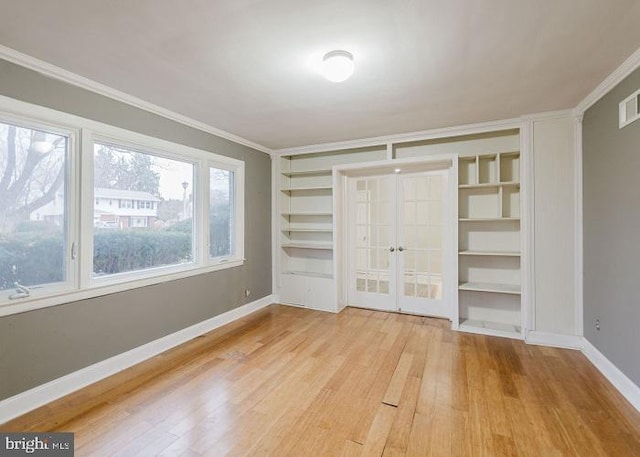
(246, 66)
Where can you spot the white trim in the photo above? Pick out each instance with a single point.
(24, 402)
(239, 205)
(276, 218)
(627, 388)
(560, 114)
(611, 81)
(579, 227)
(71, 209)
(390, 140)
(314, 308)
(555, 340)
(620, 381)
(468, 129)
(527, 226)
(61, 74)
(455, 240)
(33, 302)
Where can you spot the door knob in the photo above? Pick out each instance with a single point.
(400, 248)
(391, 249)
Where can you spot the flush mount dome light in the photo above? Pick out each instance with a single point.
(337, 66)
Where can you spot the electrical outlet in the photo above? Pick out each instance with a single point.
(598, 324)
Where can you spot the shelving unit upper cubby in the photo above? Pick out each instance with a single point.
(489, 243)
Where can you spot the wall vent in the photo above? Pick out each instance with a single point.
(630, 109)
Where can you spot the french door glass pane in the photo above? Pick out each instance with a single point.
(221, 211)
(33, 207)
(422, 236)
(372, 231)
(142, 212)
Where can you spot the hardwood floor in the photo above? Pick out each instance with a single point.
(293, 382)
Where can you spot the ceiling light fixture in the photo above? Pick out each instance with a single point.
(337, 66)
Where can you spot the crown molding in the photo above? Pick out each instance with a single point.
(548, 115)
(74, 79)
(611, 81)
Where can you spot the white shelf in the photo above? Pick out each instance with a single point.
(490, 328)
(489, 185)
(301, 189)
(316, 172)
(316, 245)
(490, 219)
(309, 273)
(307, 213)
(308, 229)
(491, 253)
(511, 289)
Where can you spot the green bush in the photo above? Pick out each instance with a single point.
(31, 258)
(116, 251)
(219, 236)
(37, 257)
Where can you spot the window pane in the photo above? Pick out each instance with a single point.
(144, 217)
(221, 211)
(33, 209)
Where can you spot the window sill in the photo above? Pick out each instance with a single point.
(34, 302)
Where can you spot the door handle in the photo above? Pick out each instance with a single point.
(400, 248)
(391, 249)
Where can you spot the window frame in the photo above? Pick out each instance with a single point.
(82, 133)
(70, 206)
(145, 147)
(238, 216)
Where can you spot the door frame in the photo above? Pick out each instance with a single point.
(340, 226)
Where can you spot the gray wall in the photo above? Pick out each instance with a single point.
(38, 346)
(612, 230)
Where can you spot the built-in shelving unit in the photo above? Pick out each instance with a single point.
(489, 252)
(306, 224)
(487, 279)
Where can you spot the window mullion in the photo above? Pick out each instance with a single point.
(72, 247)
(239, 212)
(202, 216)
(85, 250)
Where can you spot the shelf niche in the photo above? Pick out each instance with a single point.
(489, 244)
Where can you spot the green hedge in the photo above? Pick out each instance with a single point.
(219, 236)
(116, 251)
(31, 259)
(37, 257)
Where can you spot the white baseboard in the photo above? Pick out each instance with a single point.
(314, 308)
(555, 340)
(38, 396)
(620, 381)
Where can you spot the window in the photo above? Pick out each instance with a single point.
(149, 211)
(221, 212)
(34, 219)
(134, 176)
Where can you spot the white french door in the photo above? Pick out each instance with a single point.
(397, 233)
